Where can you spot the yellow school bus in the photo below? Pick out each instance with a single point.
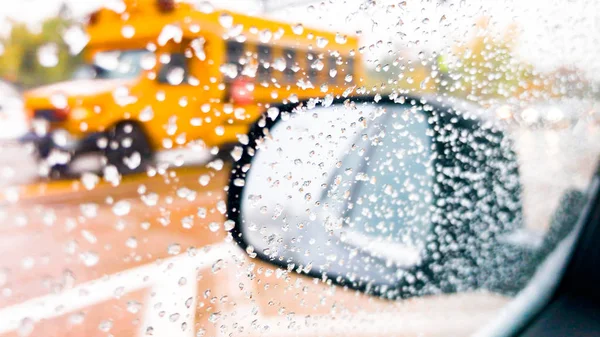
(162, 74)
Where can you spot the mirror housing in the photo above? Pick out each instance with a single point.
(475, 200)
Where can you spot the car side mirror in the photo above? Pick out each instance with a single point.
(396, 198)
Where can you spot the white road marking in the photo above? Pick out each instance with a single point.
(93, 292)
(170, 294)
(187, 156)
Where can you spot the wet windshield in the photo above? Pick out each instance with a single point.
(292, 167)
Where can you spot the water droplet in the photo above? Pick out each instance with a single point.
(146, 114)
(221, 207)
(131, 242)
(25, 327)
(322, 42)
(118, 293)
(214, 317)
(89, 180)
(204, 179)
(328, 100)
(133, 161)
(205, 7)
(187, 222)
(214, 226)
(218, 265)
(89, 236)
(198, 48)
(121, 208)
(59, 101)
(279, 64)
(265, 36)
(150, 199)
(175, 75)
(229, 69)
(174, 317)
(174, 249)
(341, 39)
(168, 33)
(128, 31)
(228, 225)
(318, 65)
(148, 61)
(225, 20)
(77, 318)
(236, 153)
(243, 139)
(76, 38)
(236, 31)
(111, 174)
(89, 258)
(105, 325)
(48, 55)
(298, 29)
(217, 164)
(133, 307)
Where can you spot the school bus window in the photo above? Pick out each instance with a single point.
(313, 73)
(350, 69)
(332, 69)
(235, 53)
(124, 64)
(264, 59)
(290, 61)
(175, 71)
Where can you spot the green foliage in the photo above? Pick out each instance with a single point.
(20, 62)
(486, 68)
(401, 74)
(483, 68)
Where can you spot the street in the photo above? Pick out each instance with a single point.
(60, 235)
(68, 235)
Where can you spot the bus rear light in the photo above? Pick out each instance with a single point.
(62, 113)
(166, 5)
(241, 92)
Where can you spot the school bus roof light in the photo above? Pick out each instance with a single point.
(93, 18)
(166, 5)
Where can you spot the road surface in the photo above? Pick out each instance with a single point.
(61, 238)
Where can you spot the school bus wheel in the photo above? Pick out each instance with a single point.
(128, 148)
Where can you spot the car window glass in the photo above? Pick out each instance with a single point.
(292, 167)
(175, 71)
(117, 64)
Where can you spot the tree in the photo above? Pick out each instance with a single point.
(486, 68)
(31, 58)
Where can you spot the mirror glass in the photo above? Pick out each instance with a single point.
(376, 196)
